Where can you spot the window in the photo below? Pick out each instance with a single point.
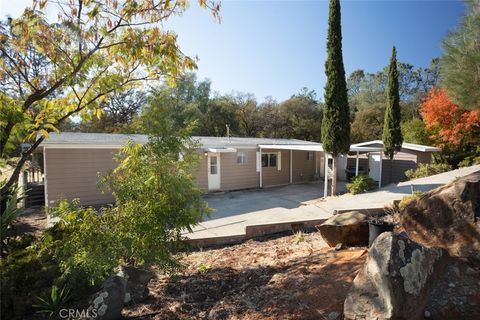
(269, 160)
(309, 155)
(213, 165)
(241, 157)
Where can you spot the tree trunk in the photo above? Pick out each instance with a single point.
(391, 170)
(334, 176)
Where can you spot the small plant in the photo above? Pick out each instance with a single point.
(50, 304)
(408, 199)
(204, 267)
(360, 184)
(425, 170)
(299, 237)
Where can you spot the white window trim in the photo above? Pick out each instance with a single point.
(243, 155)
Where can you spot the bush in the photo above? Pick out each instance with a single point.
(406, 200)
(360, 184)
(425, 170)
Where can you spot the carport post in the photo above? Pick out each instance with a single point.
(291, 158)
(325, 186)
(356, 165)
(261, 178)
(380, 169)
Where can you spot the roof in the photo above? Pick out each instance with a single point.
(405, 145)
(99, 140)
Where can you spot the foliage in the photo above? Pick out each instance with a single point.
(52, 71)
(12, 211)
(406, 200)
(89, 242)
(451, 124)
(119, 113)
(336, 118)
(425, 170)
(392, 134)
(27, 271)
(459, 64)
(52, 303)
(415, 131)
(203, 267)
(336, 112)
(472, 159)
(191, 102)
(455, 130)
(361, 184)
(367, 124)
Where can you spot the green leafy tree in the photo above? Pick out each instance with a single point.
(157, 198)
(415, 131)
(119, 112)
(336, 113)
(392, 132)
(459, 64)
(52, 71)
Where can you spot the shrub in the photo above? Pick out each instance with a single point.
(425, 170)
(406, 200)
(360, 184)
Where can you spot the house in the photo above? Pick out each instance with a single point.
(71, 163)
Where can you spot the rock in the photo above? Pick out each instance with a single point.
(333, 315)
(349, 228)
(137, 281)
(339, 247)
(448, 217)
(459, 301)
(108, 302)
(427, 314)
(396, 280)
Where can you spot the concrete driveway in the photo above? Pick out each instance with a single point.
(287, 197)
(246, 214)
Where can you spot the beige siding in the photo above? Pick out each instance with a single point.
(273, 176)
(235, 176)
(201, 173)
(73, 173)
(303, 169)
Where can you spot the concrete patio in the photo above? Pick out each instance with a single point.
(246, 214)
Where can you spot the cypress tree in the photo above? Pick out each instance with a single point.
(336, 112)
(392, 133)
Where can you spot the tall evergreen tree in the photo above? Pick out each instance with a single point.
(336, 116)
(392, 132)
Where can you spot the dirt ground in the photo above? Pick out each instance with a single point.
(290, 277)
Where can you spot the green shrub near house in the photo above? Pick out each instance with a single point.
(361, 184)
(425, 170)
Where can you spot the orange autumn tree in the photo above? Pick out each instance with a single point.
(450, 123)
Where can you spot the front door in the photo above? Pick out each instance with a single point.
(374, 166)
(213, 171)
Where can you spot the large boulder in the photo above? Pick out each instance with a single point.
(448, 217)
(396, 280)
(137, 281)
(349, 228)
(107, 303)
(457, 293)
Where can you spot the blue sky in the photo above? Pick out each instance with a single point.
(274, 48)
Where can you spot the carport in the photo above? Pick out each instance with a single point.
(319, 148)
